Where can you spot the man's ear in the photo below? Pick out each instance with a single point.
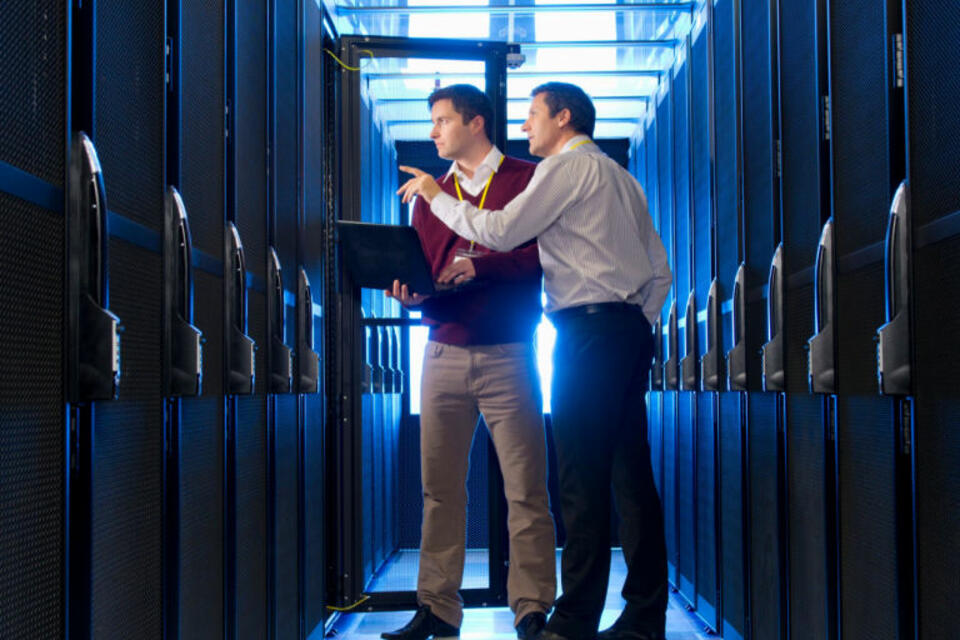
(477, 124)
(564, 117)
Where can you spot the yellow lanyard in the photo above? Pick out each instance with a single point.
(579, 143)
(486, 188)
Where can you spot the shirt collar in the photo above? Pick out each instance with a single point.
(575, 140)
(492, 161)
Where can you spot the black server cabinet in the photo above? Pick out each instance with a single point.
(380, 402)
(359, 348)
(648, 160)
(670, 357)
(33, 419)
(284, 428)
(199, 39)
(247, 429)
(686, 324)
(728, 243)
(931, 200)
(116, 532)
(804, 191)
(866, 120)
(317, 206)
(760, 187)
(700, 371)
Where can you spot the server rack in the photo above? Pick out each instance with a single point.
(359, 340)
(686, 348)
(668, 322)
(117, 486)
(803, 418)
(760, 233)
(866, 124)
(924, 380)
(655, 425)
(35, 423)
(705, 364)
(730, 369)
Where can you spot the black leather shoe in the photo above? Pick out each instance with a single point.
(613, 633)
(531, 625)
(423, 626)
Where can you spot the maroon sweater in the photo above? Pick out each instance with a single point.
(505, 305)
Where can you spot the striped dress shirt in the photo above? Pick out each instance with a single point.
(589, 215)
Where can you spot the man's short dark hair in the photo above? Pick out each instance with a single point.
(562, 95)
(469, 102)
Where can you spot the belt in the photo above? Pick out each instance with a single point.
(569, 313)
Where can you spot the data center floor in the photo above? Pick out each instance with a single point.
(497, 623)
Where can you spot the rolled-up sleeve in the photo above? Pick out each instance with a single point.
(551, 192)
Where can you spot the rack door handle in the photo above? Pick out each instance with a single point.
(773, 365)
(240, 360)
(737, 356)
(821, 364)
(398, 379)
(308, 361)
(183, 350)
(711, 362)
(94, 332)
(671, 367)
(690, 362)
(376, 359)
(389, 364)
(279, 355)
(894, 372)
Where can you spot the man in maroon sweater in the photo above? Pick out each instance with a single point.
(479, 360)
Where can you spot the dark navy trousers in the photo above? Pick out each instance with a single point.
(602, 362)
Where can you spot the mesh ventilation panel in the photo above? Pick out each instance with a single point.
(32, 422)
(33, 75)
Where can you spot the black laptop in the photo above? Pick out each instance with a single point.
(378, 254)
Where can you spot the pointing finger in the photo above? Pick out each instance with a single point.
(412, 170)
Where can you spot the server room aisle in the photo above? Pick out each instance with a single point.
(497, 623)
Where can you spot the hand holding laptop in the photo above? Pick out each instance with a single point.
(459, 271)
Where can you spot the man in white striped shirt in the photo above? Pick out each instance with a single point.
(606, 278)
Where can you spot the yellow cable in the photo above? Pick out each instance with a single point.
(351, 607)
(344, 65)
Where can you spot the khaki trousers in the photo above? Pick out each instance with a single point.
(501, 383)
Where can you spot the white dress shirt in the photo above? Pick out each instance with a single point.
(475, 184)
(589, 215)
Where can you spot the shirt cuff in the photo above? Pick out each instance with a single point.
(443, 205)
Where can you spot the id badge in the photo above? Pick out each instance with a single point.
(462, 253)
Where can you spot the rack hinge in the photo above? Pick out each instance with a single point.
(168, 63)
(779, 158)
(906, 429)
(826, 118)
(898, 60)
